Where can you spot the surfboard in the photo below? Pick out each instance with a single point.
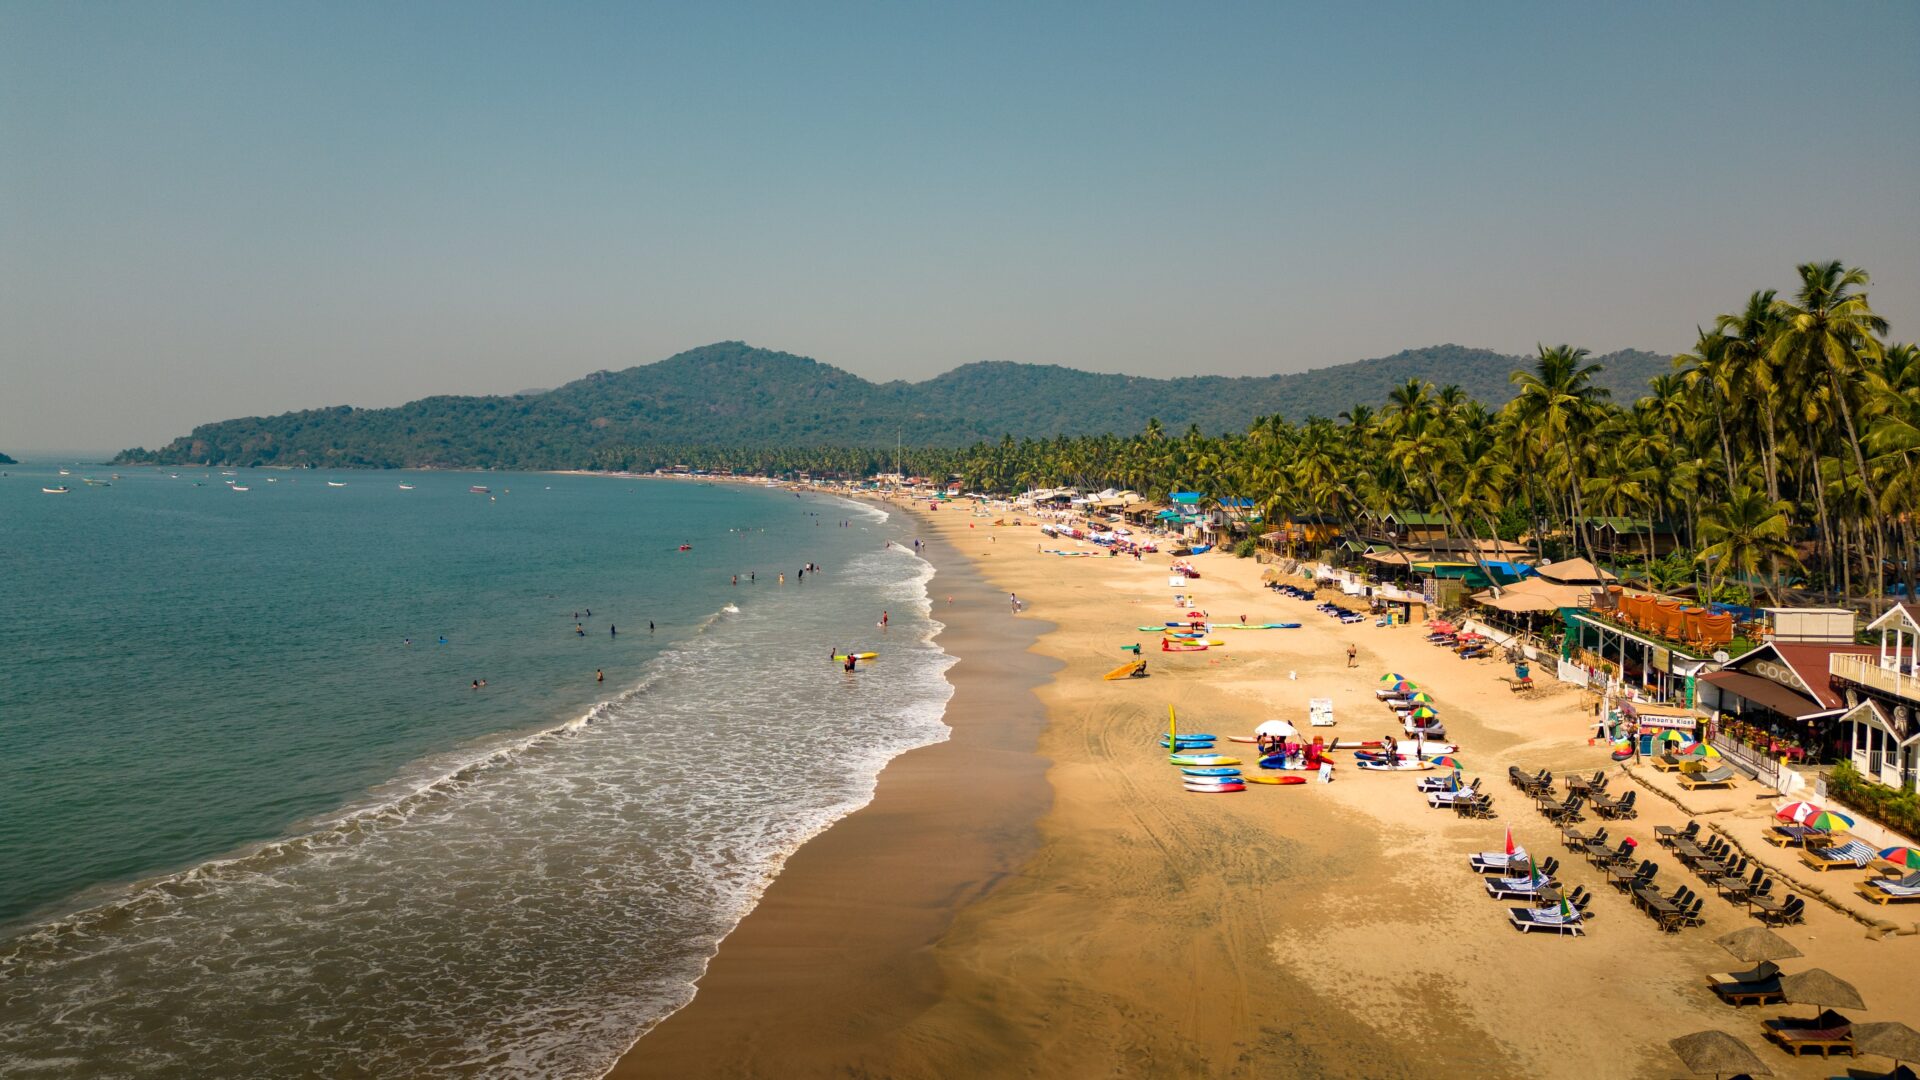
(1215, 789)
(1201, 759)
(1275, 779)
(856, 656)
(1127, 670)
(1211, 772)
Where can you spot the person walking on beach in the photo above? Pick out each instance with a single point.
(1353, 652)
(1014, 600)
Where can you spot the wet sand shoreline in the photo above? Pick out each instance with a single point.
(836, 956)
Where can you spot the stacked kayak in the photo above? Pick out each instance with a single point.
(1222, 786)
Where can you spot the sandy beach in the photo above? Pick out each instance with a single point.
(1039, 896)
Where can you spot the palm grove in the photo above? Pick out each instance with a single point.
(1781, 450)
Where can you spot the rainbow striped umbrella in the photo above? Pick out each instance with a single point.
(1393, 676)
(1445, 761)
(1424, 713)
(1828, 821)
(1903, 856)
(1422, 698)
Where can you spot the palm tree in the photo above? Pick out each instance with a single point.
(1827, 331)
(1557, 400)
(1746, 531)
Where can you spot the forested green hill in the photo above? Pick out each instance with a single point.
(730, 394)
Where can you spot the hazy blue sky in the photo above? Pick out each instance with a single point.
(210, 210)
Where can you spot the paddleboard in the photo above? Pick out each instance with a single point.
(856, 656)
(1201, 759)
(1215, 789)
(1275, 779)
(1211, 772)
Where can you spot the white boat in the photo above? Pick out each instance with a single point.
(61, 490)
(237, 487)
(64, 472)
(335, 483)
(406, 487)
(479, 489)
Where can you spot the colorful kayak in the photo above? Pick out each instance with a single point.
(1275, 779)
(1214, 771)
(856, 656)
(1280, 764)
(1201, 759)
(1214, 789)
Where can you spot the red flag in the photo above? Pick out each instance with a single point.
(1509, 841)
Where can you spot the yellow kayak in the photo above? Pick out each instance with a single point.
(856, 656)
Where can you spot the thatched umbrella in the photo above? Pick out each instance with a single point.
(1818, 987)
(1757, 943)
(1888, 1039)
(1718, 1053)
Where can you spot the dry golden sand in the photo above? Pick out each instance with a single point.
(1318, 930)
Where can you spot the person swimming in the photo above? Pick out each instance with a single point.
(599, 676)
(580, 630)
(612, 630)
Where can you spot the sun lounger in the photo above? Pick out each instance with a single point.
(1666, 762)
(1852, 855)
(1885, 891)
(1546, 920)
(1760, 986)
(1718, 776)
(1789, 835)
(1488, 862)
(1825, 1033)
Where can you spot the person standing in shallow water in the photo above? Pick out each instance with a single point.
(599, 676)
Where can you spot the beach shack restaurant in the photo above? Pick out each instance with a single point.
(1777, 701)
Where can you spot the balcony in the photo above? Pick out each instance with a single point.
(1864, 670)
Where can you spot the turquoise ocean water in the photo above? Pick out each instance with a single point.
(246, 828)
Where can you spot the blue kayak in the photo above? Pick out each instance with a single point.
(1198, 736)
(1216, 771)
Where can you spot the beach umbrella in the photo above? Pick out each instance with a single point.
(1888, 1039)
(1276, 728)
(1445, 761)
(1757, 943)
(1828, 821)
(1422, 698)
(1672, 737)
(1796, 811)
(1424, 713)
(1820, 988)
(1393, 676)
(1718, 1053)
(1902, 856)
